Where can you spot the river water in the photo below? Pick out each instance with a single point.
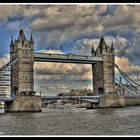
(111, 121)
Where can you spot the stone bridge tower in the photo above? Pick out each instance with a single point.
(22, 73)
(104, 73)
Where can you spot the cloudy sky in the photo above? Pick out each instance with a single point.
(76, 28)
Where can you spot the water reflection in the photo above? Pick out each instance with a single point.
(106, 111)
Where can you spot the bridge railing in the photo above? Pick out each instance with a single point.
(95, 99)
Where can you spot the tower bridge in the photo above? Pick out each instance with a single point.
(22, 72)
(22, 58)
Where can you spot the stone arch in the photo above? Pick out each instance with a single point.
(100, 90)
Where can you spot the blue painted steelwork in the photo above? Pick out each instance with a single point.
(66, 58)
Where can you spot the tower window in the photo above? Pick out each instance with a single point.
(26, 52)
(101, 50)
(26, 45)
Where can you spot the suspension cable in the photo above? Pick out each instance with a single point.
(126, 75)
(125, 87)
(127, 79)
(126, 92)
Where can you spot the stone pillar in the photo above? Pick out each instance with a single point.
(25, 104)
(111, 101)
(22, 73)
(104, 73)
(98, 83)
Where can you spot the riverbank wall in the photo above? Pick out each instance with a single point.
(132, 101)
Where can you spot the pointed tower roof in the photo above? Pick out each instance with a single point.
(92, 50)
(11, 41)
(61, 47)
(31, 39)
(21, 36)
(102, 43)
(112, 46)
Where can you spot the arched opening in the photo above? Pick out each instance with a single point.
(100, 90)
(14, 92)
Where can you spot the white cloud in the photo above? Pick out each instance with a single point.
(84, 46)
(59, 16)
(126, 66)
(63, 23)
(50, 51)
(125, 18)
(4, 60)
(9, 11)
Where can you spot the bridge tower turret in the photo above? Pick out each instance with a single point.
(22, 73)
(92, 51)
(104, 73)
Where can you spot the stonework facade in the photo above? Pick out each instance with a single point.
(104, 73)
(22, 73)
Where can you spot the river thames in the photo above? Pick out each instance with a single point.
(79, 121)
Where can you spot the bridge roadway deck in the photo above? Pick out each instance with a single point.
(66, 58)
(70, 97)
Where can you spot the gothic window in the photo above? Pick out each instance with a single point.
(28, 66)
(26, 77)
(109, 59)
(26, 52)
(106, 49)
(26, 45)
(100, 50)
